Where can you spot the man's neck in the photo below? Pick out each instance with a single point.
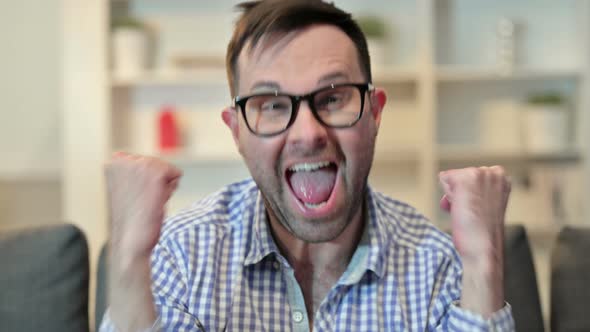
(334, 255)
(318, 266)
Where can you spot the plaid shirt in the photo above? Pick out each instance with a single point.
(217, 268)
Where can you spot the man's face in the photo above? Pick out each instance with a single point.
(312, 177)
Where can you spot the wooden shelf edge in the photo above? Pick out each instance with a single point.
(394, 74)
(32, 175)
(463, 154)
(468, 74)
(397, 155)
(197, 77)
(184, 157)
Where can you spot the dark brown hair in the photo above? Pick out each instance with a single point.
(278, 17)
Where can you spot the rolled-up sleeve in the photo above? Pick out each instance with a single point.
(463, 320)
(108, 326)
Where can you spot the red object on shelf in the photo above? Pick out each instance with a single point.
(168, 130)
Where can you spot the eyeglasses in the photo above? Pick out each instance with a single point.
(334, 106)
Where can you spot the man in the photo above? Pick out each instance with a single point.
(305, 245)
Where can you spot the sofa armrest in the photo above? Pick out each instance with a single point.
(44, 280)
(570, 274)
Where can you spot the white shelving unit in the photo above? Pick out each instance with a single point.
(441, 69)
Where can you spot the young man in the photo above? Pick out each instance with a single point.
(306, 244)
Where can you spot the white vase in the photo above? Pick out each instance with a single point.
(130, 48)
(545, 128)
(500, 126)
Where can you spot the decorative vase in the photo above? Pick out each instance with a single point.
(545, 128)
(130, 48)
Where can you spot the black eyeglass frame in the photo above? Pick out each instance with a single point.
(240, 101)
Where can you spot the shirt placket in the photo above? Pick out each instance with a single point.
(299, 318)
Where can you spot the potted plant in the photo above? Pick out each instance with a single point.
(375, 31)
(546, 123)
(129, 46)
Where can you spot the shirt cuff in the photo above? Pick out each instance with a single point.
(464, 320)
(108, 326)
(157, 327)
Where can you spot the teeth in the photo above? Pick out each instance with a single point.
(308, 167)
(314, 206)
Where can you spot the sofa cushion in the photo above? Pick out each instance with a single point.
(44, 280)
(520, 281)
(101, 287)
(570, 275)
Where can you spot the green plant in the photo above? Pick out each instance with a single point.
(546, 98)
(127, 22)
(372, 26)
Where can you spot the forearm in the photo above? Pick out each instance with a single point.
(483, 286)
(131, 301)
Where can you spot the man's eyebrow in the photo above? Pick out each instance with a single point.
(275, 86)
(265, 86)
(331, 77)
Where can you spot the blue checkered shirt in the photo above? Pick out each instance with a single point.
(217, 268)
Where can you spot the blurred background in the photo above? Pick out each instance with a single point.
(469, 83)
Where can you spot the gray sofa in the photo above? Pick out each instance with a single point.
(570, 277)
(44, 281)
(520, 282)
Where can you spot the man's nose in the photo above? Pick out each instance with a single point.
(307, 131)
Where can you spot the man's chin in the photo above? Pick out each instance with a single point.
(317, 230)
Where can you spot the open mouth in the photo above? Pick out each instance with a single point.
(312, 183)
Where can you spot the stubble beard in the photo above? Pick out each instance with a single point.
(315, 230)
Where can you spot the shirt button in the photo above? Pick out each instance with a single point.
(297, 316)
(276, 265)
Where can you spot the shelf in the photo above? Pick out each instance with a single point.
(218, 76)
(542, 234)
(215, 76)
(437, 83)
(451, 154)
(397, 155)
(30, 175)
(466, 73)
(394, 74)
(186, 158)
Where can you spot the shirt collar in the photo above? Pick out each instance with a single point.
(368, 256)
(261, 242)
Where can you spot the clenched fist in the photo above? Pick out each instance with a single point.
(138, 188)
(477, 198)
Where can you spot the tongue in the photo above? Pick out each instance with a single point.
(313, 187)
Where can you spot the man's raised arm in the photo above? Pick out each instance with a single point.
(138, 189)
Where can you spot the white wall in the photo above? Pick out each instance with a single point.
(30, 144)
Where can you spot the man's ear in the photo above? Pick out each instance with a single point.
(378, 100)
(230, 118)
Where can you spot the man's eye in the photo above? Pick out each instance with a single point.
(331, 100)
(274, 106)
